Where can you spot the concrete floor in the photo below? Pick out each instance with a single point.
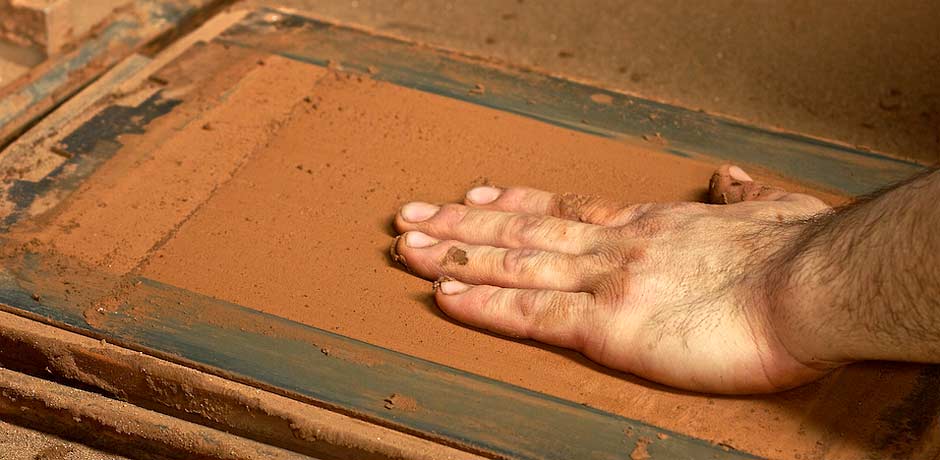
(864, 72)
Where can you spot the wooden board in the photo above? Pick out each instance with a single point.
(25, 100)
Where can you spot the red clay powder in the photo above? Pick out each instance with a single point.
(285, 206)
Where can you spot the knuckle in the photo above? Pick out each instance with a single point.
(618, 258)
(493, 301)
(625, 214)
(653, 218)
(526, 304)
(617, 280)
(613, 289)
(649, 224)
(526, 227)
(582, 208)
(519, 260)
(552, 313)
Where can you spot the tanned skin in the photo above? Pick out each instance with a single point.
(762, 291)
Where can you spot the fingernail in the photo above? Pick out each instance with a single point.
(419, 240)
(483, 195)
(739, 174)
(393, 252)
(451, 287)
(418, 212)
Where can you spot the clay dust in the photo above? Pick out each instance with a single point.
(641, 451)
(311, 244)
(456, 256)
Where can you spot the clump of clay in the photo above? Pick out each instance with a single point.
(655, 138)
(480, 180)
(455, 255)
(602, 98)
(401, 402)
(394, 254)
(640, 452)
(437, 284)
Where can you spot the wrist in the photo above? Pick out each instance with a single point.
(803, 306)
(861, 283)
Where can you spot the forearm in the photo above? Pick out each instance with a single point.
(863, 282)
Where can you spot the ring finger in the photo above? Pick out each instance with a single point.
(507, 267)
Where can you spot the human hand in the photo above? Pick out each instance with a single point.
(679, 293)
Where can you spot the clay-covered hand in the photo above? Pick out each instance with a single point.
(680, 293)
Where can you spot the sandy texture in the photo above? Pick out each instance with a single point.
(197, 397)
(121, 241)
(357, 151)
(284, 205)
(861, 72)
(16, 60)
(10, 71)
(18, 443)
(108, 423)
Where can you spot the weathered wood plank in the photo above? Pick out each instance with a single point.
(116, 426)
(57, 79)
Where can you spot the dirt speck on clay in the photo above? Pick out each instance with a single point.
(641, 452)
(401, 402)
(455, 255)
(602, 98)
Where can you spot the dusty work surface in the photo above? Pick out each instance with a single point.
(272, 185)
(19, 443)
(862, 72)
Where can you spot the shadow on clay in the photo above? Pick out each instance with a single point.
(701, 195)
(834, 404)
(849, 403)
(887, 409)
(426, 299)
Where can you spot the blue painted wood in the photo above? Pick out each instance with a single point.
(565, 103)
(56, 81)
(450, 406)
(89, 146)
